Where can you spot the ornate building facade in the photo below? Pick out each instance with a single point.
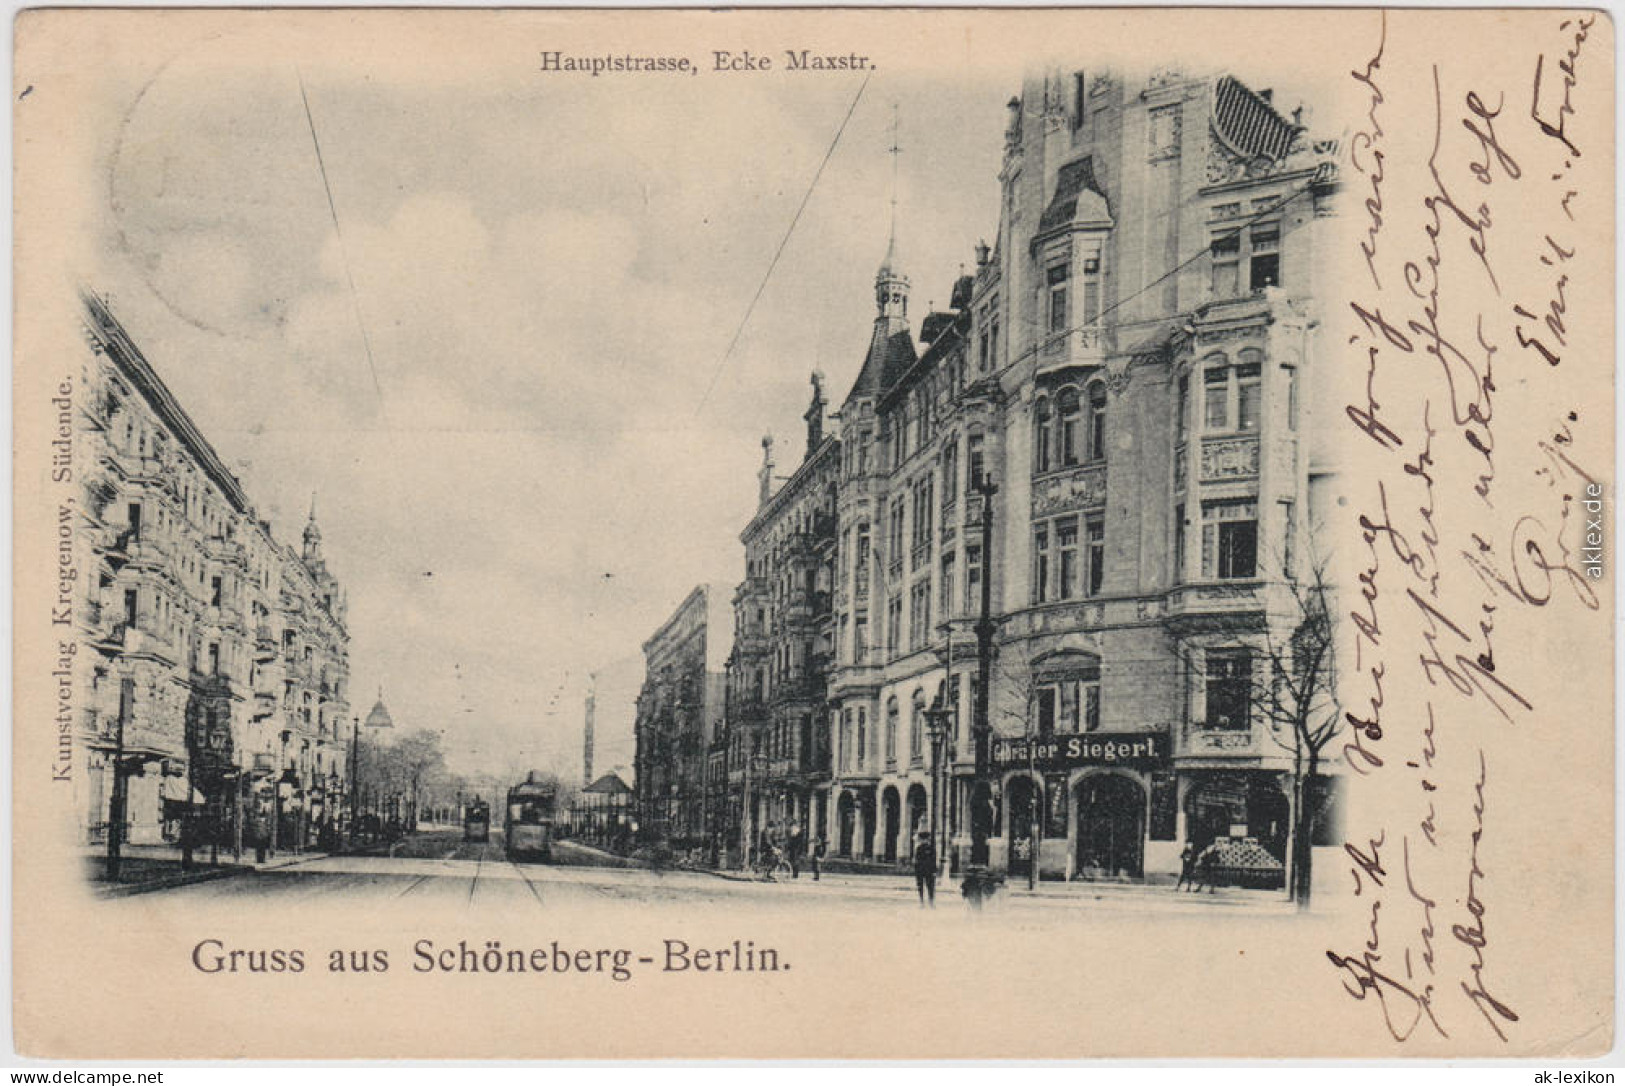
(1132, 365)
(777, 753)
(214, 657)
(680, 713)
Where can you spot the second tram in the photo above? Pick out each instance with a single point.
(530, 817)
(477, 821)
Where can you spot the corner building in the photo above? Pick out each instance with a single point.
(1134, 363)
(214, 655)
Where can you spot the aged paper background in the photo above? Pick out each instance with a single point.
(1520, 694)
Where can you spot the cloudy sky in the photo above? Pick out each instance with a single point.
(528, 473)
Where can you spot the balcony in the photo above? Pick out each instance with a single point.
(1073, 347)
(1224, 604)
(799, 686)
(225, 550)
(265, 644)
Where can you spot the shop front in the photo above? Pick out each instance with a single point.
(1247, 814)
(1079, 805)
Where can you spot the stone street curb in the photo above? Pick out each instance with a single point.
(170, 883)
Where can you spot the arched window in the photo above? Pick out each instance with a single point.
(1041, 436)
(1068, 693)
(916, 729)
(1070, 442)
(1097, 421)
(891, 732)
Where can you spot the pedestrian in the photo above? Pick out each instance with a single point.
(925, 870)
(1187, 867)
(816, 854)
(796, 846)
(1207, 862)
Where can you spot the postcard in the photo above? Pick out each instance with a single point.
(824, 534)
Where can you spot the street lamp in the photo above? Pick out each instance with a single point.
(939, 720)
(355, 777)
(978, 882)
(755, 770)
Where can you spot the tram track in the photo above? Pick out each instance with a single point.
(529, 885)
(413, 885)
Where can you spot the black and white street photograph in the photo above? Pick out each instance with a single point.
(901, 475)
(1012, 600)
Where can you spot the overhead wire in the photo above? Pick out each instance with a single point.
(779, 252)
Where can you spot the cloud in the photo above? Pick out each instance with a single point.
(549, 278)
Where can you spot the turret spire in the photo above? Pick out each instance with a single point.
(313, 534)
(891, 285)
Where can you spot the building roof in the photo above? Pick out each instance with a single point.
(1077, 199)
(890, 353)
(111, 337)
(379, 717)
(1248, 123)
(610, 784)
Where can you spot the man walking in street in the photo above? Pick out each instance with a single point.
(795, 846)
(1187, 868)
(816, 855)
(925, 870)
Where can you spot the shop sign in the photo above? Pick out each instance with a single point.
(1093, 748)
(209, 745)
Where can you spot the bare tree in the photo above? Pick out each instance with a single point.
(1299, 701)
(1291, 688)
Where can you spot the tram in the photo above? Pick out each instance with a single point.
(477, 821)
(531, 811)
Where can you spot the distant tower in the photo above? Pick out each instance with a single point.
(379, 717)
(586, 738)
(313, 536)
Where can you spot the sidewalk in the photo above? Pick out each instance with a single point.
(1047, 892)
(146, 868)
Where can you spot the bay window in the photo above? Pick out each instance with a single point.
(1230, 539)
(1229, 688)
(1056, 278)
